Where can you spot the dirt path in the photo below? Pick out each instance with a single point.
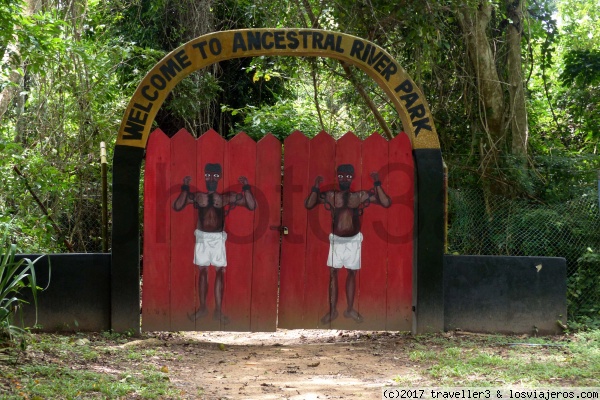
(297, 364)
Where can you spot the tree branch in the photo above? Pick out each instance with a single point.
(350, 76)
(313, 71)
(43, 208)
(372, 106)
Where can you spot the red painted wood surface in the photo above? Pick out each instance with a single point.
(321, 163)
(183, 224)
(400, 237)
(347, 151)
(373, 281)
(383, 294)
(239, 225)
(267, 216)
(211, 149)
(383, 287)
(296, 187)
(250, 277)
(157, 234)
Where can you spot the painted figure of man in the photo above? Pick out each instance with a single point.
(210, 249)
(346, 208)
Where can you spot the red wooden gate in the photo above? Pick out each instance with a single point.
(197, 191)
(211, 202)
(377, 294)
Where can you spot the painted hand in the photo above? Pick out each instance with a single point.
(318, 181)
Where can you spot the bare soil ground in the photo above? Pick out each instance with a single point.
(295, 364)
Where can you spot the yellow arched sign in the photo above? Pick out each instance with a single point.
(219, 46)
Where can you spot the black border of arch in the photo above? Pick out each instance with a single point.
(428, 296)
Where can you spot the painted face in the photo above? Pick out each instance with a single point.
(212, 180)
(345, 180)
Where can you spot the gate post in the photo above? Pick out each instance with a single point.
(125, 263)
(428, 277)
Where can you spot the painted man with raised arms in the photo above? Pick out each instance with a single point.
(346, 208)
(210, 248)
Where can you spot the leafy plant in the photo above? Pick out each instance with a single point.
(281, 120)
(15, 276)
(583, 292)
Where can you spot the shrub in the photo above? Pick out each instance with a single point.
(583, 289)
(15, 277)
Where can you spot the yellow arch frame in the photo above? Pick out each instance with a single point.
(225, 45)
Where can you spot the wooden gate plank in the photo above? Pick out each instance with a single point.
(183, 223)
(293, 245)
(373, 282)
(239, 225)
(321, 163)
(200, 185)
(211, 149)
(266, 240)
(157, 235)
(348, 152)
(400, 238)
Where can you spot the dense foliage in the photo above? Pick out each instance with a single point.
(514, 87)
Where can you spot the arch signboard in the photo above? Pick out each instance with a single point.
(219, 46)
(203, 51)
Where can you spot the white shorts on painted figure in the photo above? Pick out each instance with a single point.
(210, 249)
(344, 251)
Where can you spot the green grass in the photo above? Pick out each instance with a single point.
(504, 360)
(70, 367)
(51, 381)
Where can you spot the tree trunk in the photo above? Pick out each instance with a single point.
(196, 19)
(474, 24)
(518, 111)
(12, 57)
(76, 13)
(7, 95)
